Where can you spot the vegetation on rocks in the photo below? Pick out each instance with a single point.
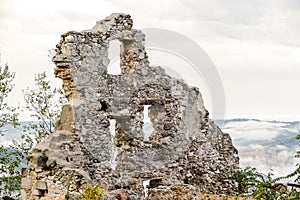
(256, 185)
(91, 191)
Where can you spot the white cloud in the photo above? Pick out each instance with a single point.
(266, 159)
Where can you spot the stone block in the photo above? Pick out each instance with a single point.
(26, 183)
(23, 194)
(41, 185)
(38, 170)
(36, 193)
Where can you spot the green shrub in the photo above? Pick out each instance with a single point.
(93, 192)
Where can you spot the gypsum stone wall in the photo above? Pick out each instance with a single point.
(186, 147)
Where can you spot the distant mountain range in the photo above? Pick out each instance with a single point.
(262, 144)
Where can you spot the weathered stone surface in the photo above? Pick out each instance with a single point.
(66, 120)
(185, 150)
(23, 194)
(36, 194)
(26, 183)
(174, 192)
(41, 185)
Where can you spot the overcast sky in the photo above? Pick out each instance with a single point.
(255, 45)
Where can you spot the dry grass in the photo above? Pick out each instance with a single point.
(205, 196)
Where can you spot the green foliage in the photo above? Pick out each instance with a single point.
(93, 192)
(264, 189)
(67, 195)
(90, 192)
(7, 113)
(44, 102)
(261, 186)
(9, 174)
(245, 178)
(292, 195)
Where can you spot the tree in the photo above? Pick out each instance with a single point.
(44, 103)
(9, 176)
(7, 113)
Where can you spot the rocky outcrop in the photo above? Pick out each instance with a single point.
(185, 152)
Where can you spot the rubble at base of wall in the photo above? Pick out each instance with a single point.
(182, 192)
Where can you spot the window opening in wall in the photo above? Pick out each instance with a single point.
(114, 57)
(112, 128)
(147, 127)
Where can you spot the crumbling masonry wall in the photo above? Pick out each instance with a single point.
(186, 149)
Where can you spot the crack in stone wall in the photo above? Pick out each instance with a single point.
(185, 148)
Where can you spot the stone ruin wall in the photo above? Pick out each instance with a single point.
(186, 149)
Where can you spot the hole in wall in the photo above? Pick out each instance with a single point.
(148, 126)
(104, 106)
(114, 57)
(43, 192)
(112, 128)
